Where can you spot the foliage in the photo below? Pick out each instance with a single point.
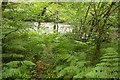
(18, 69)
(108, 65)
(88, 51)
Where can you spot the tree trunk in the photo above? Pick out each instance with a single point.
(55, 27)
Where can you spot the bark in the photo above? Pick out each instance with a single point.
(101, 29)
(55, 27)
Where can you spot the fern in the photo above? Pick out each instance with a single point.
(12, 55)
(108, 65)
(83, 71)
(13, 64)
(18, 63)
(28, 63)
(71, 71)
(15, 44)
(12, 72)
(15, 73)
(17, 69)
(73, 66)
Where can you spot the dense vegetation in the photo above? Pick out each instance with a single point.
(90, 50)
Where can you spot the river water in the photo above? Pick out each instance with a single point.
(47, 27)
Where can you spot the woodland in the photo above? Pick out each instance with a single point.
(88, 50)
